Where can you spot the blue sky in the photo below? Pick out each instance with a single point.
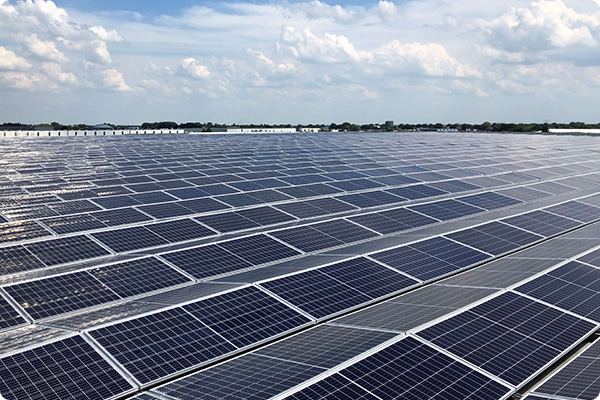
(299, 61)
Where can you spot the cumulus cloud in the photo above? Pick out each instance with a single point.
(10, 61)
(192, 68)
(329, 48)
(43, 49)
(19, 80)
(545, 25)
(55, 72)
(113, 79)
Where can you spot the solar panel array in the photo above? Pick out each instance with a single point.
(330, 266)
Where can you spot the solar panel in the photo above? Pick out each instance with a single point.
(509, 336)
(129, 239)
(307, 239)
(265, 216)
(489, 200)
(431, 258)
(139, 276)
(333, 387)
(66, 369)
(246, 316)
(180, 230)
(17, 259)
(542, 223)
(248, 377)
(380, 223)
(579, 379)
(155, 346)
(495, 237)
(64, 250)
(410, 369)
(227, 222)
(200, 206)
(325, 346)
(259, 249)
(447, 209)
(120, 217)
(417, 192)
(17, 231)
(74, 223)
(206, 261)
(301, 209)
(343, 230)
(576, 210)
(239, 200)
(60, 294)
(9, 317)
(316, 293)
(574, 287)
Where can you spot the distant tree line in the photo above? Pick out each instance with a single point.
(344, 126)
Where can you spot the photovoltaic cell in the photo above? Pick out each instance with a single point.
(246, 316)
(489, 200)
(69, 369)
(574, 287)
(17, 259)
(307, 239)
(495, 237)
(344, 231)
(576, 210)
(64, 250)
(326, 346)
(447, 209)
(417, 192)
(9, 317)
(509, 336)
(259, 249)
(206, 261)
(542, 223)
(412, 370)
(181, 230)
(334, 387)
(139, 276)
(17, 231)
(120, 217)
(249, 377)
(60, 294)
(73, 223)
(166, 210)
(129, 239)
(265, 216)
(158, 345)
(228, 222)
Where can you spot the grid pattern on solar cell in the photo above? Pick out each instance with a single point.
(249, 377)
(180, 231)
(17, 231)
(65, 250)
(9, 317)
(59, 294)
(67, 369)
(166, 210)
(72, 224)
(489, 200)
(228, 222)
(579, 379)
(495, 237)
(129, 239)
(17, 259)
(542, 223)
(161, 344)
(574, 287)
(509, 336)
(265, 216)
(334, 387)
(121, 216)
(326, 346)
(447, 209)
(246, 316)
(316, 293)
(139, 276)
(259, 249)
(206, 261)
(577, 211)
(431, 258)
(199, 206)
(410, 369)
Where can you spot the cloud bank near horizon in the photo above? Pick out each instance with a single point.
(307, 61)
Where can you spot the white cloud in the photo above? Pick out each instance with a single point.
(545, 25)
(10, 61)
(114, 79)
(55, 72)
(192, 68)
(330, 48)
(19, 80)
(43, 49)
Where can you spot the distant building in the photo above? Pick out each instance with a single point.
(389, 124)
(102, 127)
(234, 129)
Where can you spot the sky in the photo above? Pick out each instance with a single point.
(313, 61)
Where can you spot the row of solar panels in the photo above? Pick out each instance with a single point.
(487, 352)
(425, 260)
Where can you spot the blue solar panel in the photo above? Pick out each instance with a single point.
(67, 369)
(307, 239)
(576, 210)
(412, 370)
(495, 238)
(574, 287)
(228, 222)
(447, 209)
(129, 239)
(65, 250)
(542, 223)
(158, 345)
(259, 249)
(431, 258)
(489, 200)
(334, 387)
(246, 316)
(509, 336)
(60, 294)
